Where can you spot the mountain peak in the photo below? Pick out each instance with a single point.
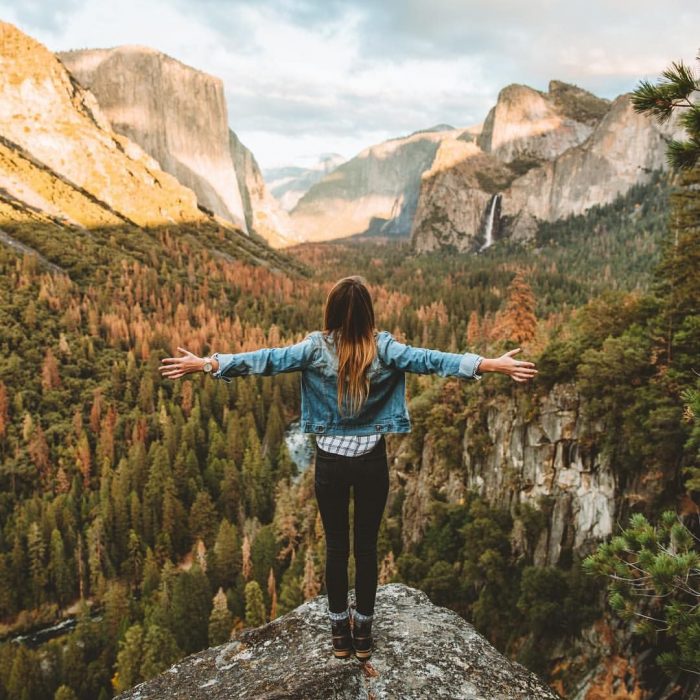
(420, 650)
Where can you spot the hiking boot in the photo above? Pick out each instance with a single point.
(362, 637)
(342, 638)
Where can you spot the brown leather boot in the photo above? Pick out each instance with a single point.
(342, 638)
(362, 637)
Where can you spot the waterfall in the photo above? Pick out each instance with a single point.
(489, 223)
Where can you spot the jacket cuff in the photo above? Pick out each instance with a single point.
(222, 359)
(469, 365)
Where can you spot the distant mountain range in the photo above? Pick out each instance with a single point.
(289, 183)
(538, 156)
(99, 136)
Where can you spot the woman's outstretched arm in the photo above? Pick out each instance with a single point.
(225, 366)
(446, 364)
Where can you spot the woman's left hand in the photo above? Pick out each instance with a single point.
(176, 367)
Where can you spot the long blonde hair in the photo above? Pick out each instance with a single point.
(349, 314)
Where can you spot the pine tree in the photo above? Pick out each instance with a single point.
(246, 565)
(160, 651)
(203, 519)
(50, 378)
(228, 557)
(4, 411)
(654, 580)
(220, 620)
(517, 322)
(311, 585)
(37, 566)
(272, 593)
(60, 575)
(190, 609)
(254, 605)
(129, 659)
(671, 92)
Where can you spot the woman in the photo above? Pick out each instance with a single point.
(352, 393)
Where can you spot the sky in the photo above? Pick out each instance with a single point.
(303, 78)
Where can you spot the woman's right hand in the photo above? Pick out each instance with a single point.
(519, 370)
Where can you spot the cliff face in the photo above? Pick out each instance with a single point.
(60, 159)
(528, 123)
(263, 213)
(542, 452)
(177, 114)
(550, 155)
(421, 651)
(375, 191)
(538, 455)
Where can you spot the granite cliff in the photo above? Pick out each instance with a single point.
(540, 449)
(540, 157)
(421, 651)
(177, 114)
(60, 160)
(263, 213)
(376, 191)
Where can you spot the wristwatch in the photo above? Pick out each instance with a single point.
(207, 366)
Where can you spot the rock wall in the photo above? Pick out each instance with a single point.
(528, 123)
(176, 113)
(542, 454)
(377, 190)
(421, 651)
(263, 213)
(548, 155)
(59, 157)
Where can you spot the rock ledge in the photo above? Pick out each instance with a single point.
(421, 651)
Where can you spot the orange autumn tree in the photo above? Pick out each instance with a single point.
(517, 322)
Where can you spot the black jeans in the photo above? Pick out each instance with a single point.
(368, 474)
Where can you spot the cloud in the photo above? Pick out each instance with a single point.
(331, 75)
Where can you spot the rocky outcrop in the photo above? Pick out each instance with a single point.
(421, 651)
(549, 155)
(529, 124)
(176, 113)
(263, 213)
(516, 453)
(376, 191)
(289, 184)
(59, 158)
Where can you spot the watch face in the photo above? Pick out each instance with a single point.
(207, 366)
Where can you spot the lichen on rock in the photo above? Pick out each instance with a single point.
(421, 651)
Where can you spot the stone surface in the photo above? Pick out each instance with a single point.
(421, 651)
(60, 158)
(176, 113)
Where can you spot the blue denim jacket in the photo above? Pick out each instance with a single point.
(385, 409)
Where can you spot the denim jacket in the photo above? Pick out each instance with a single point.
(384, 410)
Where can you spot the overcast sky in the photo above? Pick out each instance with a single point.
(308, 77)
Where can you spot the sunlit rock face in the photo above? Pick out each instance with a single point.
(421, 651)
(60, 158)
(547, 155)
(176, 113)
(376, 191)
